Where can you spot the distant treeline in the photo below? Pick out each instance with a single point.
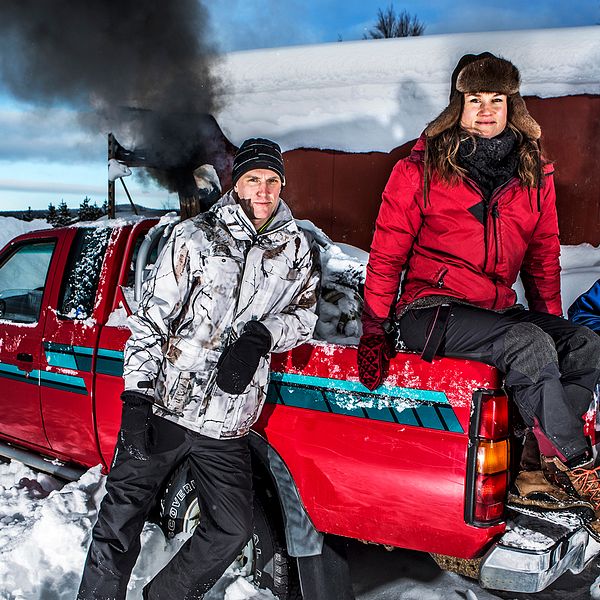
(61, 215)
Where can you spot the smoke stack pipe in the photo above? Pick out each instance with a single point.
(189, 199)
(212, 147)
(182, 179)
(112, 153)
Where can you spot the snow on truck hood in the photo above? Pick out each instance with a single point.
(375, 95)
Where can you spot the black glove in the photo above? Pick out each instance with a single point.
(239, 361)
(136, 428)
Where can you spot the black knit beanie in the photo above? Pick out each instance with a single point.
(258, 153)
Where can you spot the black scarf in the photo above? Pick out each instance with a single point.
(490, 162)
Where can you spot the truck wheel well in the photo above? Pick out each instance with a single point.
(266, 489)
(264, 557)
(302, 538)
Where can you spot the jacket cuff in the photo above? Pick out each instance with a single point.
(273, 326)
(140, 382)
(134, 398)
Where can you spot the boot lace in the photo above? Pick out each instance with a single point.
(587, 483)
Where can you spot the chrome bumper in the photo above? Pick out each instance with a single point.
(536, 551)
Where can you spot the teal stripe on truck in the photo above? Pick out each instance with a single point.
(420, 408)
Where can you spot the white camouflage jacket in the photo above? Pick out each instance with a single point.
(213, 276)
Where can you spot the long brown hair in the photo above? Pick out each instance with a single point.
(441, 156)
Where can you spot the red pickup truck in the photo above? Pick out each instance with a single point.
(422, 463)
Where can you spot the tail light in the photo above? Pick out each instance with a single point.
(592, 418)
(488, 460)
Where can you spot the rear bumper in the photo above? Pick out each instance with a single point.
(534, 552)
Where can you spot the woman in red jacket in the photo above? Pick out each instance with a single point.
(469, 210)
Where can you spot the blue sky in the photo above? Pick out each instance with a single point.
(45, 156)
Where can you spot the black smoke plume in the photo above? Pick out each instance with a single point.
(140, 68)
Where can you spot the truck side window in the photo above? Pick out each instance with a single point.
(82, 275)
(22, 281)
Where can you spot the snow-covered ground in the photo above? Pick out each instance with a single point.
(45, 530)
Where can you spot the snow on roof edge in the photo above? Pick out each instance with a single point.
(375, 95)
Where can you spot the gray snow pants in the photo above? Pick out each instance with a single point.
(223, 475)
(551, 365)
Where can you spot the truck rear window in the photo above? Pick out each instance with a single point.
(82, 275)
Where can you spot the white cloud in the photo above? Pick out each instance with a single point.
(49, 187)
(46, 134)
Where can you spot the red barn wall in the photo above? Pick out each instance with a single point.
(341, 192)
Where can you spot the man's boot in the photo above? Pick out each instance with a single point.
(531, 490)
(582, 480)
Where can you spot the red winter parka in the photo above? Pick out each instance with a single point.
(449, 247)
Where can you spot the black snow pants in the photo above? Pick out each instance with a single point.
(223, 476)
(551, 365)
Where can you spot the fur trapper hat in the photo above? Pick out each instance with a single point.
(485, 73)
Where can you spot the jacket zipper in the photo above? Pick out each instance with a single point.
(440, 277)
(254, 238)
(477, 190)
(495, 216)
(490, 207)
(495, 212)
(210, 385)
(212, 380)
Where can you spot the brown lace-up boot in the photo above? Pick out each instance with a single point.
(583, 481)
(531, 490)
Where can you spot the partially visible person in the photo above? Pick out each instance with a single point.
(586, 309)
(231, 286)
(470, 209)
(208, 186)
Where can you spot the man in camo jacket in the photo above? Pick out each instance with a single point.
(230, 286)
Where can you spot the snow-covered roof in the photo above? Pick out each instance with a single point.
(378, 94)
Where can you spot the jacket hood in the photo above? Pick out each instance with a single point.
(418, 149)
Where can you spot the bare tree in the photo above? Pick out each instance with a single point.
(393, 25)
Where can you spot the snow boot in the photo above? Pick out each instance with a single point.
(531, 490)
(582, 480)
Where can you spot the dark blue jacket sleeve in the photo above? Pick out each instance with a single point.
(586, 309)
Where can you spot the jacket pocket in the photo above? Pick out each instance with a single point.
(185, 393)
(184, 355)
